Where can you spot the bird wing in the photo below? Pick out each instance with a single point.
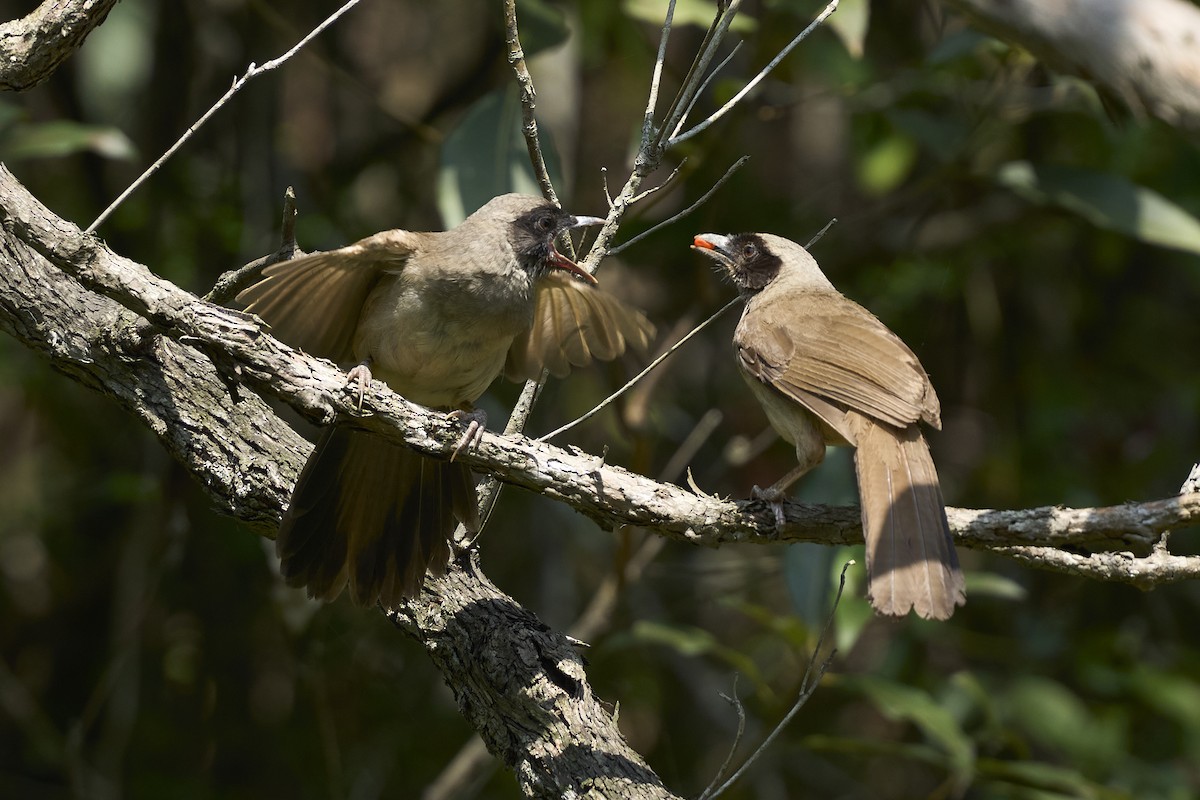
(572, 324)
(821, 344)
(314, 302)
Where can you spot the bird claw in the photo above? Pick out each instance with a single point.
(774, 498)
(360, 375)
(476, 422)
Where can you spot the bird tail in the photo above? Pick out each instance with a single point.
(372, 515)
(911, 563)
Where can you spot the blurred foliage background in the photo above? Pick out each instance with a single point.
(1035, 246)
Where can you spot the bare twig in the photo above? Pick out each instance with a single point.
(703, 199)
(674, 174)
(656, 78)
(529, 127)
(808, 685)
(685, 99)
(252, 72)
(737, 98)
(608, 400)
(1144, 572)
(232, 282)
(820, 234)
(733, 700)
(700, 89)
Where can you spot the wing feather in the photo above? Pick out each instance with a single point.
(574, 323)
(841, 354)
(314, 302)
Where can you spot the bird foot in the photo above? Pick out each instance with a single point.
(476, 422)
(359, 378)
(774, 498)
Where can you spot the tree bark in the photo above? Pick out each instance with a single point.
(191, 371)
(1142, 51)
(521, 684)
(32, 47)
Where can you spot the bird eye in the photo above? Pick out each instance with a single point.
(749, 251)
(544, 224)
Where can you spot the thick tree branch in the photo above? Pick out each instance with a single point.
(529, 695)
(32, 47)
(612, 496)
(538, 713)
(1143, 52)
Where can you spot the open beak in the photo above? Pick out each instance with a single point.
(715, 247)
(559, 261)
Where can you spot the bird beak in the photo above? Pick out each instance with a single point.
(715, 247)
(559, 261)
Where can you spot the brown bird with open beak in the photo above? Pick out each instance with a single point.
(827, 372)
(436, 316)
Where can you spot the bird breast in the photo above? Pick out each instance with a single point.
(439, 337)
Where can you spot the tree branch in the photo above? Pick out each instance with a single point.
(1144, 52)
(530, 694)
(253, 71)
(32, 47)
(243, 352)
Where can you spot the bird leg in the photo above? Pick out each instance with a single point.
(476, 422)
(776, 493)
(810, 451)
(360, 377)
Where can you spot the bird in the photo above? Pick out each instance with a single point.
(827, 372)
(437, 316)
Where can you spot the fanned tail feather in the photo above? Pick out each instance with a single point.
(371, 515)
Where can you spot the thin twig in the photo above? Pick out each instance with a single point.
(820, 234)
(656, 78)
(700, 89)
(641, 374)
(808, 685)
(657, 187)
(230, 283)
(691, 82)
(252, 72)
(703, 198)
(733, 700)
(529, 128)
(737, 98)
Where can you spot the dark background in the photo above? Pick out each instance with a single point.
(149, 649)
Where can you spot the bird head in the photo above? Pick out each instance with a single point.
(534, 227)
(754, 260)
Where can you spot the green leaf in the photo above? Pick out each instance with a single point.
(1106, 200)
(850, 23)
(64, 138)
(542, 26)
(1057, 718)
(885, 166)
(1041, 780)
(687, 12)
(691, 641)
(899, 702)
(995, 585)
(486, 155)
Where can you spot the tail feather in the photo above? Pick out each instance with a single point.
(372, 515)
(911, 562)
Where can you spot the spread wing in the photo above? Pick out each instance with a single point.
(808, 344)
(574, 323)
(314, 302)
